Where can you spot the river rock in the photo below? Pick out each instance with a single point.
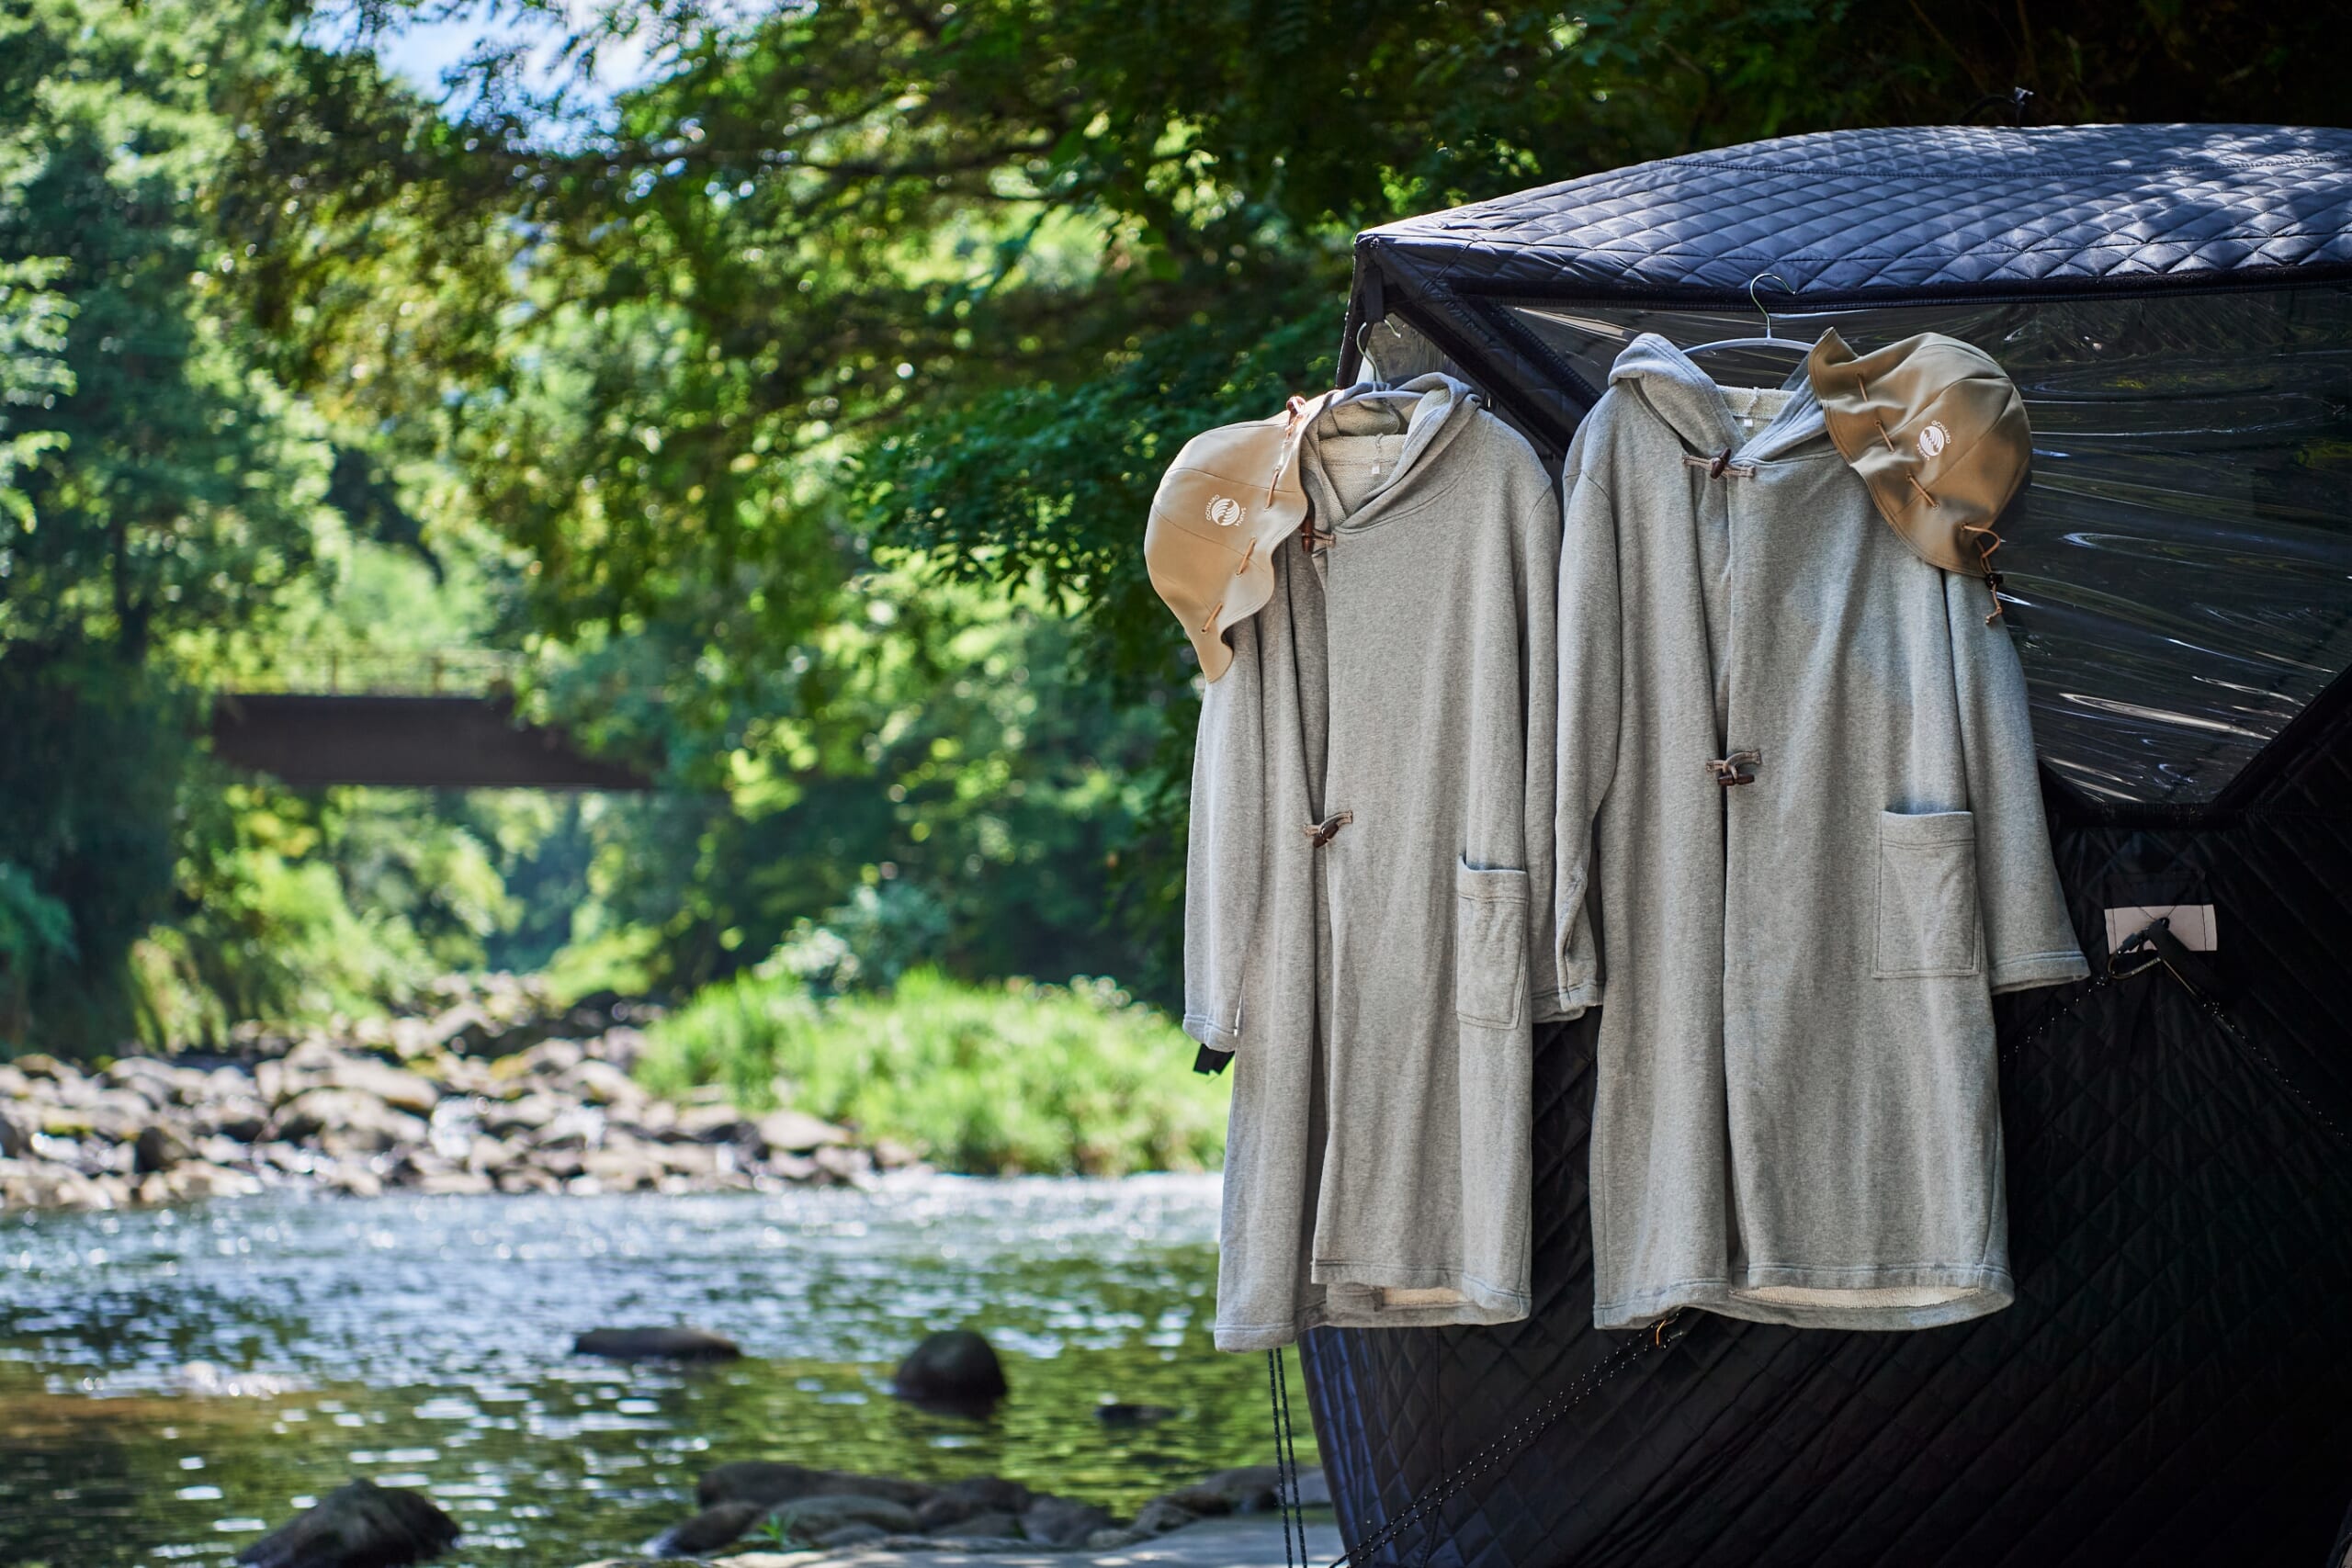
(1247, 1490)
(656, 1345)
(353, 1181)
(715, 1527)
(98, 1116)
(817, 1516)
(360, 1525)
(851, 1535)
(344, 1119)
(601, 1083)
(240, 1116)
(1159, 1516)
(153, 1081)
(1063, 1522)
(40, 1065)
(454, 1184)
(16, 1141)
(623, 1167)
(711, 1123)
(400, 1089)
(622, 1046)
(955, 1368)
(552, 1058)
(197, 1182)
(770, 1482)
(797, 1132)
(960, 1501)
(158, 1148)
(990, 1526)
(527, 1113)
(26, 1185)
(492, 1154)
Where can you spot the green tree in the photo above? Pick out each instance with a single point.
(155, 482)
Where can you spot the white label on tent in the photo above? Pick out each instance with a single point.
(2192, 924)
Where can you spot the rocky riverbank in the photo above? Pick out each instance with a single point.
(492, 1092)
(767, 1507)
(792, 1505)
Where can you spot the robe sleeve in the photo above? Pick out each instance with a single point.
(1591, 657)
(1224, 850)
(1538, 574)
(2028, 941)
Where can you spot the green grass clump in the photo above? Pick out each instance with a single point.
(988, 1079)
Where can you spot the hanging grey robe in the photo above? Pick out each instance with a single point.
(1796, 1116)
(1379, 989)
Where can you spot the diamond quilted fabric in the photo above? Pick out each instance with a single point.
(2174, 1385)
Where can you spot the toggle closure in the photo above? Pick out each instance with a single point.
(1720, 466)
(1311, 539)
(1321, 833)
(1727, 769)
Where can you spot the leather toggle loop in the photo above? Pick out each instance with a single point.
(1720, 466)
(1727, 769)
(1321, 833)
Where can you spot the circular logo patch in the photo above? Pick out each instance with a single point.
(1933, 440)
(1227, 513)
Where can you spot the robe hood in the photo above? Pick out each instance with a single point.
(1686, 399)
(1439, 410)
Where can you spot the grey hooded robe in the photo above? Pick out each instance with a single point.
(1796, 1117)
(1379, 989)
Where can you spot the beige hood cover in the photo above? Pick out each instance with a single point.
(1938, 433)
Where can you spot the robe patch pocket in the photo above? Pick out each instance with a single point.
(1926, 894)
(1489, 945)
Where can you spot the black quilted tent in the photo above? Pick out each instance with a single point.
(2174, 1385)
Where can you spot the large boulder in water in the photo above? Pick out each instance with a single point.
(655, 1344)
(956, 1370)
(358, 1526)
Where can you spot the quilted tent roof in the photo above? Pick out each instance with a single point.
(1849, 214)
(2174, 302)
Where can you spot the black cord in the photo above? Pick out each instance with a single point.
(1290, 1461)
(1277, 1404)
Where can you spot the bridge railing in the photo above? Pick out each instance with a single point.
(353, 670)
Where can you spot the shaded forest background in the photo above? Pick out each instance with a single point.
(788, 410)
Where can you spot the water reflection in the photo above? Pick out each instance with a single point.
(170, 1384)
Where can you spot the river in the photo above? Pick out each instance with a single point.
(172, 1382)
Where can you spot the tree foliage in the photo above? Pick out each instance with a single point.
(790, 410)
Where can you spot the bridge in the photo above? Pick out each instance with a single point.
(429, 719)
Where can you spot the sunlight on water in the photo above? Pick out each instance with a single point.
(173, 1383)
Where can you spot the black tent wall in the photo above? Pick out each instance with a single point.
(2174, 1385)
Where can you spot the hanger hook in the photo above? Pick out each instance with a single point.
(1759, 303)
(1363, 328)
